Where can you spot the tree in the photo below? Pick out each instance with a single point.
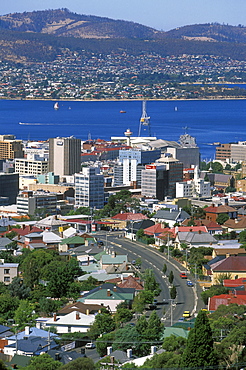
(174, 343)
(122, 314)
(79, 364)
(171, 277)
(164, 269)
(43, 362)
(242, 236)
(141, 299)
(103, 323)
(150, 282)
(199, 351)
(25, 314)
(103, 342)
(8, 305)
(213, 290)
(222, 218)
(173, 292)
(18, 289)
(33, 264)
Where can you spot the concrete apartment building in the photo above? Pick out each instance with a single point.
(32, 165)
(64, 155)
(10, 148)
(89, 188)
(193, 188)
(8, 271)
(232, 152)
(29, 202)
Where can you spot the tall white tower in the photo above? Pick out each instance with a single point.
(128, 135)
(144, 120)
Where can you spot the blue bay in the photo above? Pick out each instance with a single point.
(208, 120)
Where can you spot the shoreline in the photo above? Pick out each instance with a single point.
(125, 100)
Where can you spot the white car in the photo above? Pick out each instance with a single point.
(90, 345)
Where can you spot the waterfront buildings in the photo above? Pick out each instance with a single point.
(10, 148)
(131, 162)
(89, 188)
(64, 155)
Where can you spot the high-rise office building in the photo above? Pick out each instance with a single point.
(89, 188)
(64, 155)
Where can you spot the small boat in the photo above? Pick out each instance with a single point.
(56, 106)
(122, 111)
(176, 109)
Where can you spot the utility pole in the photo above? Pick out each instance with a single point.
(171, 301)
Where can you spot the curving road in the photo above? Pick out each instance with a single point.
(151, 258)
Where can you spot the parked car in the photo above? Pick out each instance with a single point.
(100, 243)
(189, 283)
(90, 345)
(183, 275)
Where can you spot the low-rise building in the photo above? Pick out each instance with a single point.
(29, 203)
(8, 271)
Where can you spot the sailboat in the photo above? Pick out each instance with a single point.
(56, 106)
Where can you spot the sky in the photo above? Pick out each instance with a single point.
(160, 14)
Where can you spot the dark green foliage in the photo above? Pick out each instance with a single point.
(164, 269)
(199, 351)
(18, 289)
(150, 282)
(62, 277)
(222, 218)
(43, 362)
(213, 290)
(103, 342)
(164, 360)
(8, 305)
(174, 344)
(171, 277)
(103, 323)
(173, 292)
(242, 236)
(79, 364)
(48, 306)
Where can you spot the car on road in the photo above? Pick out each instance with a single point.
(189, 283)
(186, 314)
(90, 345)
(100, 243)
(183, 275)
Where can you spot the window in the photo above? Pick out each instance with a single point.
(6, 271)
(6, 279)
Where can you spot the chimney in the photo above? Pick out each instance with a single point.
(108, 293)
(114, 289)
(57, 356)
(153, 350)
(77, 315)
(23, 226)
(88, 260)
(27, 330)
(129, 353)
(199, 232)
(109, 350)
(54, 316)
(87, 311)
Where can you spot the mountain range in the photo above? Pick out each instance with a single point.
(40, 35)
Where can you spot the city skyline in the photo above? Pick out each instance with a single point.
(160, 14)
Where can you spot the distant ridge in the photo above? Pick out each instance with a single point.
(41, 35)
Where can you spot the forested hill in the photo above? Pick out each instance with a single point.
(40, 36)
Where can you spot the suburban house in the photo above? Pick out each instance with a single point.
(234, 266)
(88, 309)
(214, 302)
(133, 227)
(213, 212)
(237, 224)
(113, 259)
(212, 227)
(121, 220)
(72, 322)
(194, 239)
(170, 217)
(37, 341)
(109, 296)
